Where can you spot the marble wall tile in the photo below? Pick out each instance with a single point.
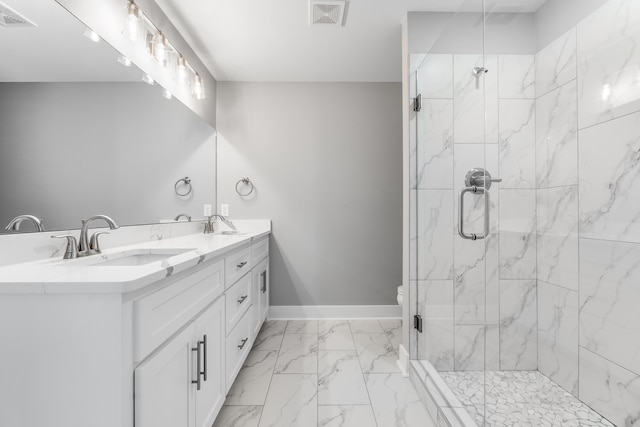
(435, 144)
(469, 347)
(516, 76)
(492, 348)
(492, 279)
(335, 335)
(608, 58)
(517, 143)
(518, 325)
(346, 416)
(557, 243)
(395, 401)
(340, 380)
(292, 401)
(558, 335)
(609, 301)
(557, 137)
(556, 63)
(298, 354)
(435, 305)
(435, 76)
(435, 234)
(609, 389)
(517, 234)
(610, 180)
(414, 260)
(475, 100)
(252, 383)
(469, 281)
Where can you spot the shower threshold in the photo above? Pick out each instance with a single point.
(500, 398)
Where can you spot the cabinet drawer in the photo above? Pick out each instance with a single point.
(259, 250)
(237, 264)
(238, 301)
(159, 315)
(238, 346)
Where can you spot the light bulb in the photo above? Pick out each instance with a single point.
(166, 94)
(92, 35)
(132, 27)
(182, 72)
(124, 61)
(606, 92)
(159, 50)
(198, 87)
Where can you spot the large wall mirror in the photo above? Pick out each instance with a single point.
(81, 134)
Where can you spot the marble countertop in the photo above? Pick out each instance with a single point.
(75, 276)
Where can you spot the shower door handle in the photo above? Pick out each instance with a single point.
(475, 190)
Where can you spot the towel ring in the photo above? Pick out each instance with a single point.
(186, 182)
(245, 181)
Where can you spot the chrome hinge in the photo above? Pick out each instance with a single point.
(417, 322)
(417, 103)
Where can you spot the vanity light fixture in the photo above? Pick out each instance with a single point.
(606, 92)
(198, 87)
(132, 25)
(137, 26)
(147, 79)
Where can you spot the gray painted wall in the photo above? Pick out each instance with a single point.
(71, 150)
(326, 160)
(556, 17)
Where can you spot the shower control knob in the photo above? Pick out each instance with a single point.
(479, 177)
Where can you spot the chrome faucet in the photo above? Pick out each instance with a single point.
(14, 224)
(84, 247)
(226, 221)
(177, 218)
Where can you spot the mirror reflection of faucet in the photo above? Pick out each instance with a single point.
(14, 224)
(182, 215)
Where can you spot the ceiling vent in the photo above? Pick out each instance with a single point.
(327, 12)
(11, 18)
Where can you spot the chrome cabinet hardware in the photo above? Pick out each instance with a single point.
(242, 264)
(197, 380)
(263, 280)
(244, 342)
(204, 355)
(71, 251)
(242, 298)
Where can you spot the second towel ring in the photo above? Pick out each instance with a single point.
(186, 183)
(245, 181)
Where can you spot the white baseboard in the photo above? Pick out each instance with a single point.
(403, 360)
(335, 312)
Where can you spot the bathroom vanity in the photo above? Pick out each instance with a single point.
(150, 334)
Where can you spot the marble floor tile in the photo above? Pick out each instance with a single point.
(302, 327)
(335, 335)
(238, 416)
(346, 416)
(395, 402)
(291, 401)
(252, 383)
(340, 380)
(365, 327)
(393, 329)
(298, 354)
(376, 354)
(270, 336)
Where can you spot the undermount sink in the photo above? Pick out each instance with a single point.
(230, 233)
(130, 258)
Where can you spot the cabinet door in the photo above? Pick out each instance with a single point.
(210, 335)
(163, 389)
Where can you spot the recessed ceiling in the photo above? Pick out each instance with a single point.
(258, 40)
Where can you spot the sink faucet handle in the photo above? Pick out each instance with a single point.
(71, 251)
(94, 244)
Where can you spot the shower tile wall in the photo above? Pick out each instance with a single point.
(588, 204)
(467, 325)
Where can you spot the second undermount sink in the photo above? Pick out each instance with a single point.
(130, 258)
(230, 233)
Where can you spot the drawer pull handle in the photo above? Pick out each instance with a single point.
(263, 279)
(244, 342)
(242, 264)
(242, 298)
(204, 354)
(197, 380)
